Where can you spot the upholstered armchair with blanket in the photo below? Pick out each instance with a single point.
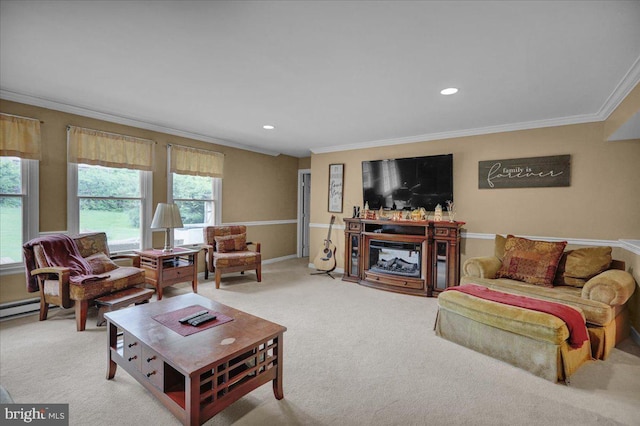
(76, 271)
(228, 251)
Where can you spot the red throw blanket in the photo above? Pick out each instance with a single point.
(572, 317)
(59, 250)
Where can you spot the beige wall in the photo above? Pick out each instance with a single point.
(602, 202)
(304, 163)
(256, 187)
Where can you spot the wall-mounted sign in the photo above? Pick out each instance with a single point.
(336, 175)
(525, 172)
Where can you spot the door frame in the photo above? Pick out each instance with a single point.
(301, 173)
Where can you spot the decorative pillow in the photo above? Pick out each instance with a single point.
(578, 266)
(534, 262)
(229, 243)
(100, 263)
(499, 247)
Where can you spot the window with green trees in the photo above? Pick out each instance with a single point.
(194, 196)
(11, 214)
(110, 200)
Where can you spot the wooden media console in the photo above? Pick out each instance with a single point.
(412, 257)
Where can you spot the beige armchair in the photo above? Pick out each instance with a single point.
(76, 271)
(227, 252)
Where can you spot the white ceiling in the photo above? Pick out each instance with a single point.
(329, 75)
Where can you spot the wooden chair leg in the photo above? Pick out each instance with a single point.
(44, 305)
(218, 277)
(259, 272)
(44, 309)
(211, 267)
(82, 307)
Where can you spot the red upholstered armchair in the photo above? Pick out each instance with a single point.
(76, 271)
(228, 251)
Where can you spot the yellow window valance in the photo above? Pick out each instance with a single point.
(109, 149)
(197, 162)
(19, 137)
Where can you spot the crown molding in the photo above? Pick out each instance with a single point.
(528, 125)
(85, 112)
(622, 90)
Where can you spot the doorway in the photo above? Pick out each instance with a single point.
(304, 211)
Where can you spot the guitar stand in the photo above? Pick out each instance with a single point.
(324, 272)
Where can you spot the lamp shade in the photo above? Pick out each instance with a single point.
(166, 216)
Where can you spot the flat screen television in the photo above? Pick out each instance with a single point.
(408, 183)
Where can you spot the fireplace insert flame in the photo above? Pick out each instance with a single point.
(395, 258)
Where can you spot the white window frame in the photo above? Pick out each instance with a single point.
(30, 175)
(73, 203)
(217, 199)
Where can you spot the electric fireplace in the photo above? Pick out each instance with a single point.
(404, 256)
(395, 258)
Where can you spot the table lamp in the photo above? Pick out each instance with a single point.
(167, 216)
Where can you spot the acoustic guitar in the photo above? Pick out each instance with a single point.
(326, 259)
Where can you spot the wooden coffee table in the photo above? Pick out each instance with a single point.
(199, 375)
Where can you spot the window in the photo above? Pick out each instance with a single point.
(110, 181)
(196, 198)
(195, 185)
(19, 166)
(111, 200)
(18, 207)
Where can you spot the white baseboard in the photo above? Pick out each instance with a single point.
(279, 259)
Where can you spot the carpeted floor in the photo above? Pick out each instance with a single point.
(353, 356)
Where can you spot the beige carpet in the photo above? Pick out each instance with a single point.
(353, 356)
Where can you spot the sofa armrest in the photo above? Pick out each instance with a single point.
(257, 250)
(61, 289)
(613, 287)
(134, 258)
(61, 272)
(481, 267)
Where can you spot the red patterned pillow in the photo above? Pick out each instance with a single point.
(534, 262)
(229, 243)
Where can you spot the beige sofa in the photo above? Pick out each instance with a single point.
(602, 298)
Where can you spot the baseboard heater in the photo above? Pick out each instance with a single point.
(22, 307)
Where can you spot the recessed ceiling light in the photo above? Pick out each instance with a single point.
(449, 91)
(268, 127)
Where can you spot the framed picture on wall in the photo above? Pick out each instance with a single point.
(336, 175)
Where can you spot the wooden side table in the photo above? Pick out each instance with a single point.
(164, 269)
